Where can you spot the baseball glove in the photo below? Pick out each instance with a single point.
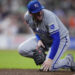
(39, 55)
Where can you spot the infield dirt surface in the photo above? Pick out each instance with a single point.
(32, 72)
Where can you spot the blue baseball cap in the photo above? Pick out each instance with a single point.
(34, 6)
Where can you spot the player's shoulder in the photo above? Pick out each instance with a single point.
(26, 15)
(49, 16)
(48, 12)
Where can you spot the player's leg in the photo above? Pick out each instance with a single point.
(68, 61)
(57, 62)
(25, 48)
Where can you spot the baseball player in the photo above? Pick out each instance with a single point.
(50, 35)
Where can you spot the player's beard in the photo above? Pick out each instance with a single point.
(38, 17)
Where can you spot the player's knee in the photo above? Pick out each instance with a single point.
(20, 50)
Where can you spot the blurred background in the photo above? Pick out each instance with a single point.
(13, 31)
(12, 28)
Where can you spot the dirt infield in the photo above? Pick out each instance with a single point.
(32, 72)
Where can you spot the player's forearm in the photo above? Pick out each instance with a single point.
(55, 45)
(40, 43)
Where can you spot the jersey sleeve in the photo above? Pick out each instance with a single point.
(52, 24)
(54, 33)
(55, 45)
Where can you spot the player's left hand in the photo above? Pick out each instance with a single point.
(46, 65)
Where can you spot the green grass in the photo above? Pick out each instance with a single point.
(10, 59)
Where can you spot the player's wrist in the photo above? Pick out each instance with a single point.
(50, 59)
(37, 37)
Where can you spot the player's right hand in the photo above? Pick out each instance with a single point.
(40, 43)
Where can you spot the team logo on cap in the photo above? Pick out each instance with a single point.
(36, 5)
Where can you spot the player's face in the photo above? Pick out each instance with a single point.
(37, 16)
